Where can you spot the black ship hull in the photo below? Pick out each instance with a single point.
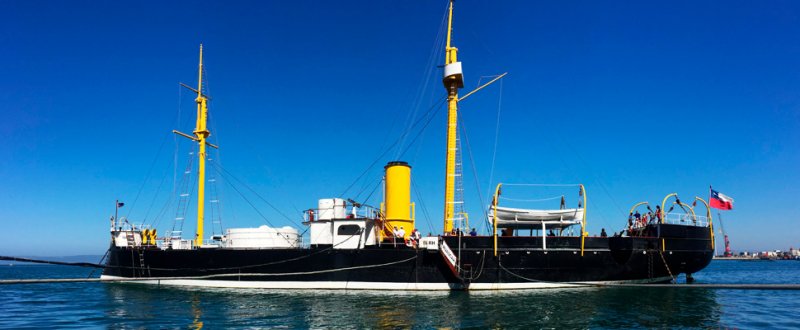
(521, 262)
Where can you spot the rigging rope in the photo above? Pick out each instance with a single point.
(377, 159)
(400, 141)
(421, 202)
(474, 172)
(254, 207)
(181, 215)
(435, 54)
(215, 192)
(177, 148)
(496, 137)
(155, 197)
(218, 167)
(422, 130)
(147, 176)
(597, 179)
(164, 209)
(366, 200)
(176, 121)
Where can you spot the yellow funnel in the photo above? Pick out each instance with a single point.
(398, 197)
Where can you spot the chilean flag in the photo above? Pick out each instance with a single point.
(720, 201)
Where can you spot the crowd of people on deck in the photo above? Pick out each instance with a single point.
(638, 222)
(459, 232)
(416, 235)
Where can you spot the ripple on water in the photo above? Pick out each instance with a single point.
(141, 306)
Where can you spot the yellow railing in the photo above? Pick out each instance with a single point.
(494, 220)
(663, 204)
(583, 222)
(637, 205)
(710, 222)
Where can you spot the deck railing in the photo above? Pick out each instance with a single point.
(686, 219)
(363, 211)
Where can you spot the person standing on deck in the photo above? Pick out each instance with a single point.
(658, 213)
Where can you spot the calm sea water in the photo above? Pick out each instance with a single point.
(102, 305)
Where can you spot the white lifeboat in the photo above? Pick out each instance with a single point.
(509, 217)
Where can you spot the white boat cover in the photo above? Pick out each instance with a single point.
(508, 217)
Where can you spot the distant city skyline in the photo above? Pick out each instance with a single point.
(634, 100)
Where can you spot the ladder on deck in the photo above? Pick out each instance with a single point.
(458, 191)
(129, 236)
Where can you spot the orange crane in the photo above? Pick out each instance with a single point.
(727, 242)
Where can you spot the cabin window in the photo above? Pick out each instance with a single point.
(348, 230)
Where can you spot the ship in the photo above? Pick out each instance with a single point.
(353, 246)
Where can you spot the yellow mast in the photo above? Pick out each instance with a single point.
(453, 80)
(201, 133)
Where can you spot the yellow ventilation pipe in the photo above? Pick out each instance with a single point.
(398, 197)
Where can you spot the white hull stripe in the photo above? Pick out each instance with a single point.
(376, 285)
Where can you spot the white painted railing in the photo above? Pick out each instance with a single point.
(686, 219)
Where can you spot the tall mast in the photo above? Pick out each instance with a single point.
(453, 81)
(201, 133)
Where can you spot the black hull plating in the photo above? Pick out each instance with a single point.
(678, 249)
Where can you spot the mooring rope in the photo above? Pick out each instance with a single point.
(50, 262)
(666, 266)
(88, 264)
(517, 275)
(304, 273)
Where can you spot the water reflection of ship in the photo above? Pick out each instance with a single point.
(557, 308)
(197, 312)
(605, 308)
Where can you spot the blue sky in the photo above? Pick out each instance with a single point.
(635, 100)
